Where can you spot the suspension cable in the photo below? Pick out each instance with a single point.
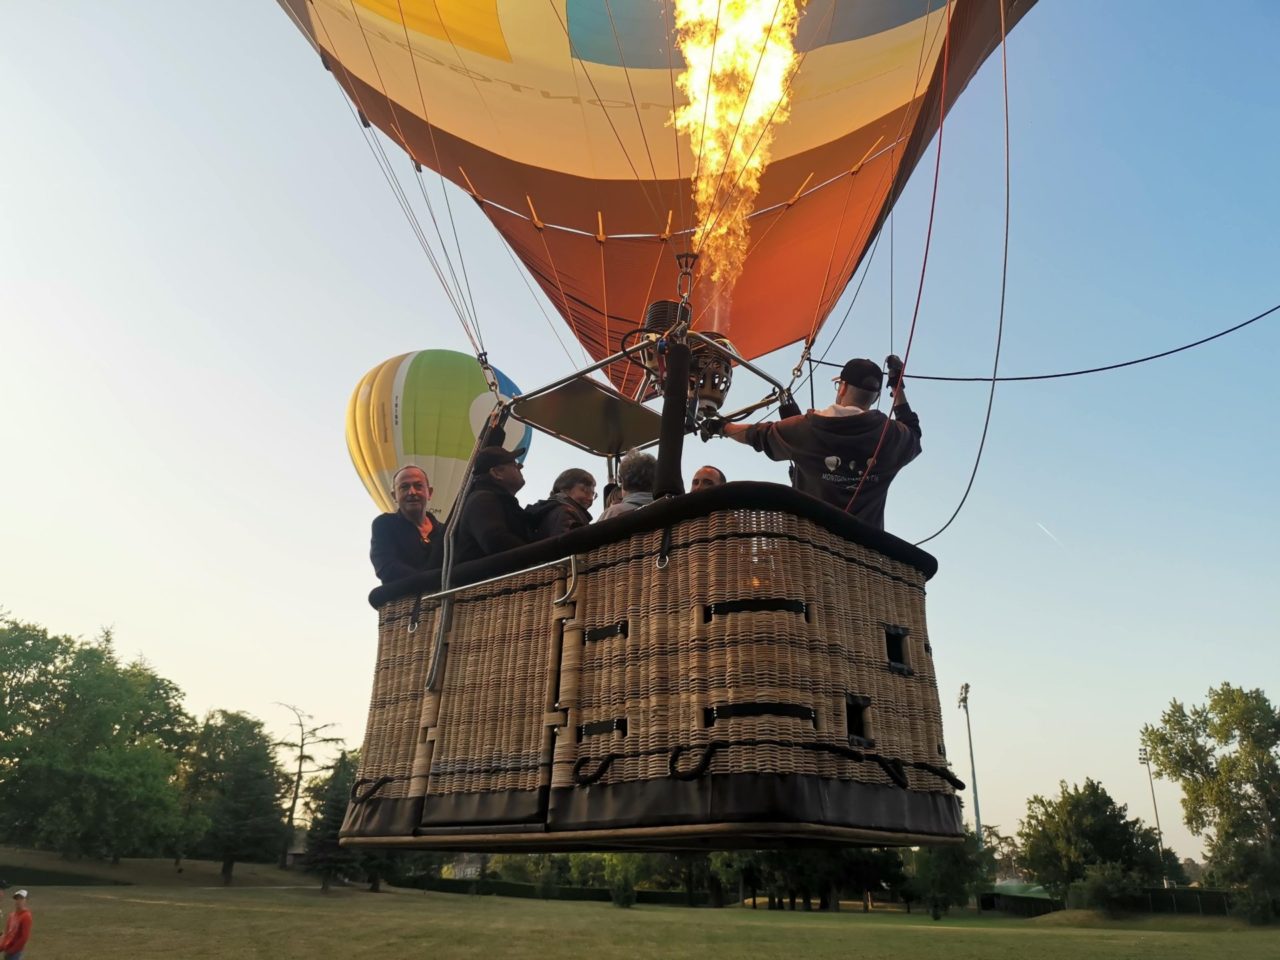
(388, 172)
(1089, 370)
(928, 240)
(1004, 284)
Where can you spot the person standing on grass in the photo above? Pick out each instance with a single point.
(17, 931)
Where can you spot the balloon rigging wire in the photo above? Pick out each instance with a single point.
(404, 142)
(635, 105)
(760, 139)
(891, 246)
(706, 109)
(538, 303)
(668, 21)
(889, 171)
(924, 262)
(435, 149)
(577, 58)
(755, 75)
(1090, 370)
(1004, 285)
(388, 173)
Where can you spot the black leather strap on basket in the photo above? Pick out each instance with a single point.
(587, 779)
(416, 615)
(754, 605)
(595, 634)
(730, 711)
(664, 550)
(617, 724)
(358, 798)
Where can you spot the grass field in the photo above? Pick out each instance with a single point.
(281, 915)
(282, 923)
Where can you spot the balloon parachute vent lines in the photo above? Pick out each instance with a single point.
(739, 59)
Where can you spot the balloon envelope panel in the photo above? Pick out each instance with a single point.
(556, 116)
(427, 409)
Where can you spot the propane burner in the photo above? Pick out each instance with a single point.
(711, 373)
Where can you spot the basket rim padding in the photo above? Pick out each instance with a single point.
(737, 495)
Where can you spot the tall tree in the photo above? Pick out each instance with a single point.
(32, 681)
(948, 876)
(307, 737)
(1225, 755)
(1081, 827)
(236, 783)
(91, 748)
(1005, 855)
(328, 802)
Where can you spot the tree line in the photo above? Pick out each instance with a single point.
(99, 758)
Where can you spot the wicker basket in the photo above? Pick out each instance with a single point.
(746, 677)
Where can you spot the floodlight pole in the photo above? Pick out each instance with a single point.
(1144, 758)
(973, 767)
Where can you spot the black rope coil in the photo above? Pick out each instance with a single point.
(358, 798)
(587, 779)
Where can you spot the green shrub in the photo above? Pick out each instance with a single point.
(1108, 887)
(1254, 905)
(620, 871)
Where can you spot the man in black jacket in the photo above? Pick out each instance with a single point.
(568, 507)
(410, 540)
(848, 453)
(492, 519)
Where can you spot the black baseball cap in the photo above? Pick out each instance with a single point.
(863, 374)
(489, 457)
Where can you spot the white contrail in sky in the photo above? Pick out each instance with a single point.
(1048, 534)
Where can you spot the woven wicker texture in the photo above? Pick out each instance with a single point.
(680, 655)
(391, 731)
(758, 632)
(489, 733)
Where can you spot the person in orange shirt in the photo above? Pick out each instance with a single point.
(411, 539)
(17, 930)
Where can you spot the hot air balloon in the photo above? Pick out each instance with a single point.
(427, 408)
(556, 117)
(740, 667)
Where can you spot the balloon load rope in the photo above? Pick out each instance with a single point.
(450, 535)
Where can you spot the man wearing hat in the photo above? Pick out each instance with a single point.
(492, 519)
(835, 449)
(17, 931)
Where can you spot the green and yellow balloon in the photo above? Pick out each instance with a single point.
(426, 408)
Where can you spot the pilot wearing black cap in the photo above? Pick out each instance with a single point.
(835, 449)
(492, 519)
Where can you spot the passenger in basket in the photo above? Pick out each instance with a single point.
(411, 539)
(636, 474)
(568, 507)
(612, 495)
(848, 453)
(707, 478)
(492, 520)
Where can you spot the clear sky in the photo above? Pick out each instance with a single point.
(199, 259)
